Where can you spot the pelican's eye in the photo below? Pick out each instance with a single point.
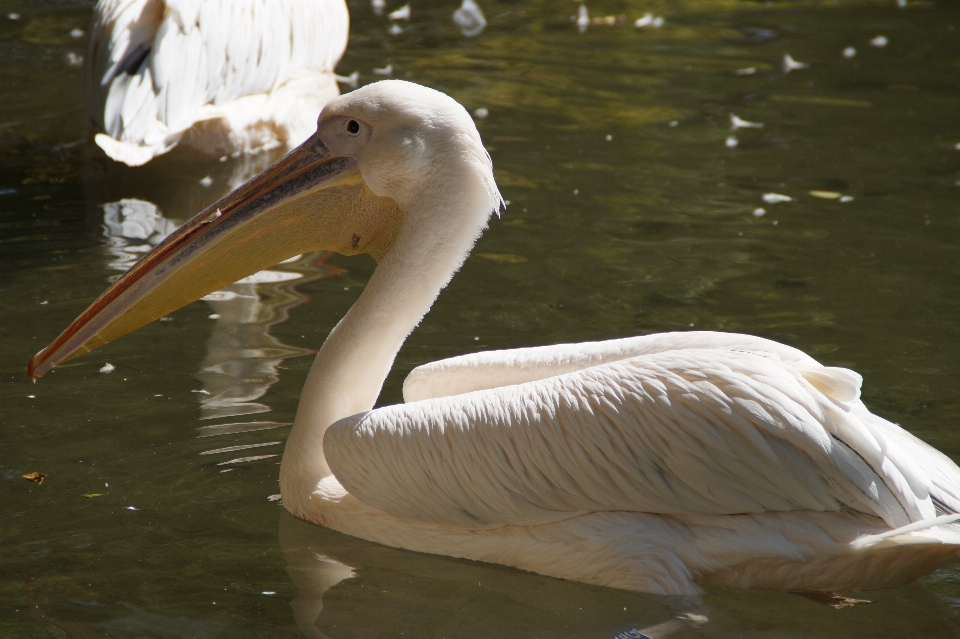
(353, 127)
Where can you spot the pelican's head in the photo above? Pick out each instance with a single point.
(389, 157)
(408, 141)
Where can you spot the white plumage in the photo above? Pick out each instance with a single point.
(222, 76)
(661, 463)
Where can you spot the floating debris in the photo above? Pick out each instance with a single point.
(403, 13)
(832, 599)
(609, 20)
(131, 508)
(36, 477)
(776, 198)
(268, 593)
(107, 368)
(77, 33)
(378, 6)
(648, 20)
(395, 29)
(74, 59)
(274, 497)
(849, 52)
(747, 71)
(207, 181)
(825, 195)
(583, 19)
(469, 18)
(731, 142)
(352, 80)
(481, 113)
(92, 495)
(213, 316)
(739, 123)
(385, 71)
(879, 42)
(789, 64)
(759, 211)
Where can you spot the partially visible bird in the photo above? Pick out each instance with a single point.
(225, 77)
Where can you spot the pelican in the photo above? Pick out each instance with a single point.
(664, 463)
(225, 77)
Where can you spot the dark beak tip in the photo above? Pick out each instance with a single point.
(32, 366)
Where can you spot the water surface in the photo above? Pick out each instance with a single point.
(629, 214)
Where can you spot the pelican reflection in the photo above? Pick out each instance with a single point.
(353, 587)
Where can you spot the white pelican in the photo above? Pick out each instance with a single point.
(223, 76)
(662, 463)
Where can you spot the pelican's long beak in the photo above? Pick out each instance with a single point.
(309, 200)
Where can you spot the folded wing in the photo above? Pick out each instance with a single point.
(691, 431)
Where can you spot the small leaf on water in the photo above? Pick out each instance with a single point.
(36, 477)
(826, 195)
(832, 599)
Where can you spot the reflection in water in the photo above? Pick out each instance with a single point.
(347, 587)
(412, 594)
(242, 357)
(132, 227)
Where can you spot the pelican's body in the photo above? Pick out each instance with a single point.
(222, 76)
(661, 463)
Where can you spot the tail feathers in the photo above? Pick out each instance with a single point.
(129, 153)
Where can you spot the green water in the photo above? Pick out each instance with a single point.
(651, 230)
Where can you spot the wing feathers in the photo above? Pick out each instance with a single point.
(688, 431)
(493, 369)
(155, 68)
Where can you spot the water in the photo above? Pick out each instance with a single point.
(137, 533)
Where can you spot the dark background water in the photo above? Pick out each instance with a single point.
(650, 230)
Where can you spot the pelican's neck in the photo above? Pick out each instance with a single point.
(356, 357)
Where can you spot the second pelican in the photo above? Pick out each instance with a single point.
(661, 463)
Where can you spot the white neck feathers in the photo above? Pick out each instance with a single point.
(349, 371)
